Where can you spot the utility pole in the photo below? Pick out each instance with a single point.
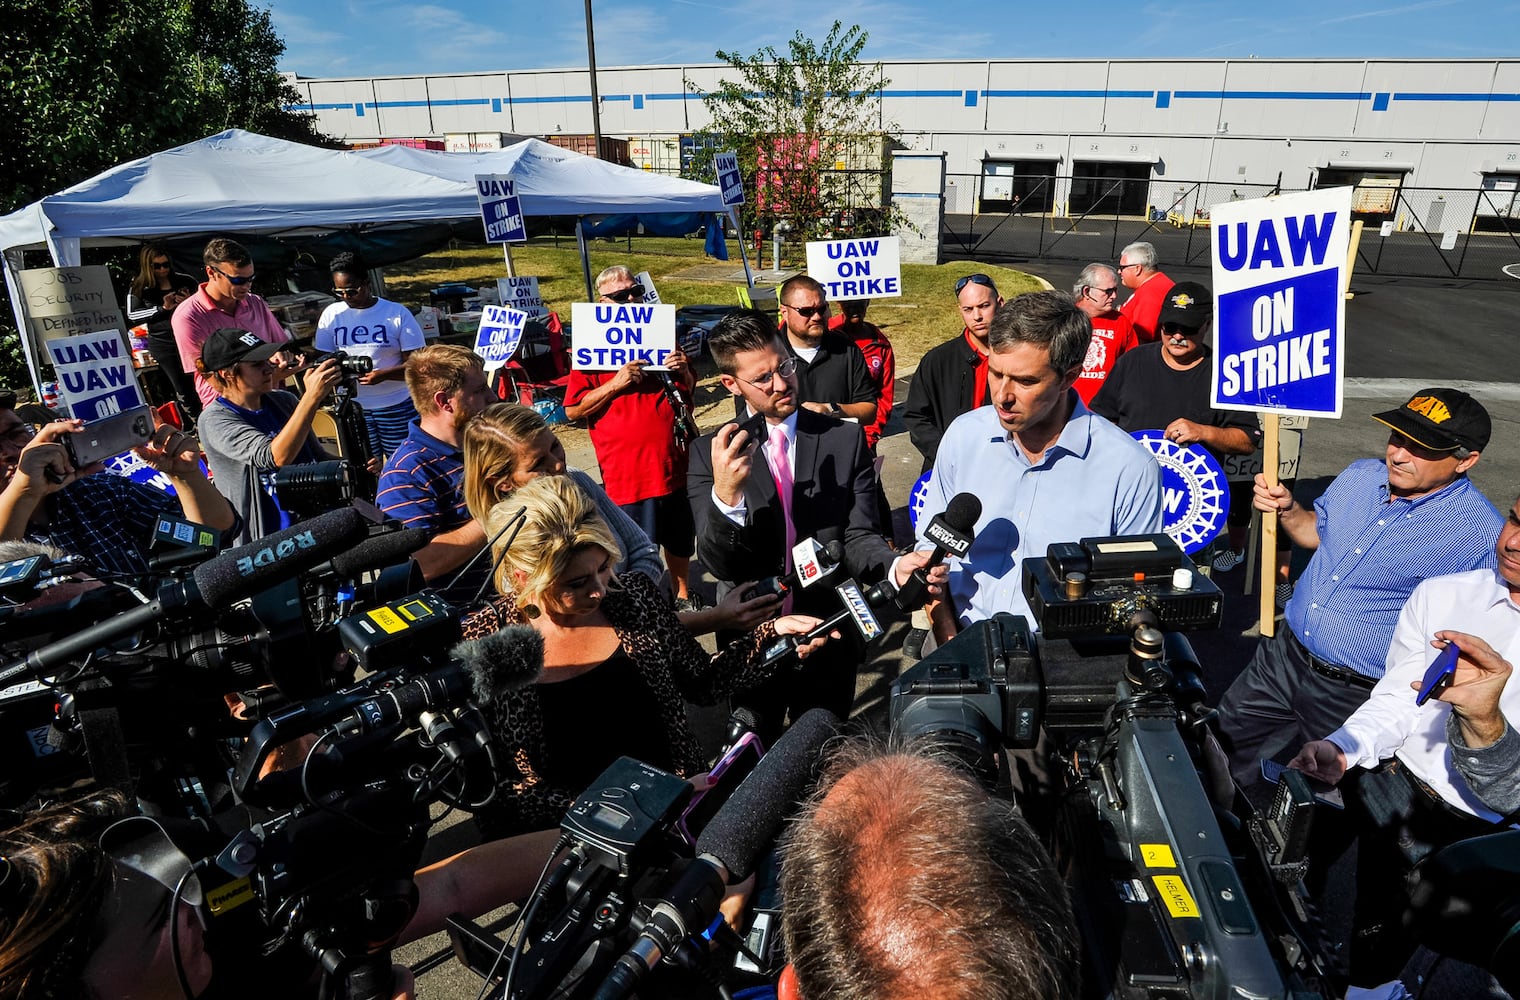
(596, 102)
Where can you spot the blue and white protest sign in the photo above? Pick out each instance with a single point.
(917, 497)
(500, 209)
(1195, 499)
(1280, 307)
(95, 374)
(730, 181)
(609, 335)
(857, 269)
(650, 294)
(501, 330)
(522, 293)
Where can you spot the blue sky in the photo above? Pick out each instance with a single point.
(394, 37)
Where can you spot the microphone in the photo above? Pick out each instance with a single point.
(728, 848)
(810, 564)
(482, 671)
(952, 532)
(214, 584)
(379, 551)
(858, 605)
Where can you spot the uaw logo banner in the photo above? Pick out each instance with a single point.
(1194, 497)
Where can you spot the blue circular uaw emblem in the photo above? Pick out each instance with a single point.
(1195, 499)
(916, 498)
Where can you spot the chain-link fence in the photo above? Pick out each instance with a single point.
(1426, 232)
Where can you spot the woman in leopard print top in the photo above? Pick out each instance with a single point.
(618, 664)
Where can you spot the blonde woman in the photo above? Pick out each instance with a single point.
(618, 664)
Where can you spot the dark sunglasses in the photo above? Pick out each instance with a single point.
(809, 312)
(233, 279)
(1189, 331)
(344, 293)
(633, 293)
(974, 279)
(160, 267)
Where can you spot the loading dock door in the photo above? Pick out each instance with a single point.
(1017, 185)
(1106, 187)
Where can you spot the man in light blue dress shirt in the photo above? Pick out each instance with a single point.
(1045, 468)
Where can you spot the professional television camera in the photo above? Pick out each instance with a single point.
(626, 899)
(140, 675)
(348, 415)
(1176, 896)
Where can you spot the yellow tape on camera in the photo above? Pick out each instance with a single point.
(1157, 856)
(229, 896)
(1174, 893)
(387, 620)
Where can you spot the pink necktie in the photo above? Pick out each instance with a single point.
(781, 471)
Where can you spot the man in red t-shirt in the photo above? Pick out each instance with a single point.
(1097, 295)
(880, 363)
(639, 423)
(1137, 269)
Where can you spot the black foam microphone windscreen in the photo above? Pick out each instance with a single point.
(380, 551)
(748, 823)
(499, 662)
(248, 569)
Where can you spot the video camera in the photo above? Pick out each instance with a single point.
(353, 366)
(1173, 895)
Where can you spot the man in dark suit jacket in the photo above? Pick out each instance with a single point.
(745, 527)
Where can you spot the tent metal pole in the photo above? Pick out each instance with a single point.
(580, 243)
(13, 261)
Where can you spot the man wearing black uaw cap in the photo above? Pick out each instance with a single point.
(1378, 530)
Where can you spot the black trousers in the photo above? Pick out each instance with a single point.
(1279, 702)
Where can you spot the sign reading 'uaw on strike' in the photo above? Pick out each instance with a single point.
(500, 209)
(1280, 307)
(609, 335)
(857, 269)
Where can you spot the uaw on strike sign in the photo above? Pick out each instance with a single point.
(1280, 307)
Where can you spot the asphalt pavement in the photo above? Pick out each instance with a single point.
(1403, 334)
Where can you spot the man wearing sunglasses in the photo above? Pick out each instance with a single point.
(1097, 294)
(952, 378)
(641, 425)
(832, 374)
(1137, 269)
(224, 299)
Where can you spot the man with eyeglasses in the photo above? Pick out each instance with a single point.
(783, 475)
(1097, 294)
(951, 379)
(641, 424)
(224, 299)
(106, 519)
(1148, 286)
(363, 324)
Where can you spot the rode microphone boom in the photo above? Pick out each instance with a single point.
(214, 585)
(952, 532)
(736, 838)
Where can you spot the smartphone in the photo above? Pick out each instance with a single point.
(726, 775)
(1329, 795)
(1438, 676)
(111, 436)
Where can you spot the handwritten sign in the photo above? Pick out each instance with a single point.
(1279, 275)
(730, 181)
(501, 330)
(608, 335)
(522, 293)
(500, 209)
(857, 269)
(95, 374)
(65, 301)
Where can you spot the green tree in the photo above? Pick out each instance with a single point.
(87, 85)
(808, 129)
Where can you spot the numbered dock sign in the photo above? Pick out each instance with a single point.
(1280, 305)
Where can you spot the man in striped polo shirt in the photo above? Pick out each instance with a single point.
(422, 484)
(1377, 531)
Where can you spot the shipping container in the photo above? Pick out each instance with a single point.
(613, 150)
(473, 142)
(436, 144)
(659, 154)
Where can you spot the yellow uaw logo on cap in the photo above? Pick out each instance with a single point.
(1431, 408)
(1182, 301)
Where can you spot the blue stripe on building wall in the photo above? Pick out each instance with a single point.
(665, 97)
(1163, 98)
(1380, 102)
(1456, 97)
(638, 102)
(1147, 94)
(359, 109)
(1274, 95)
(495, 105)
(970, 98)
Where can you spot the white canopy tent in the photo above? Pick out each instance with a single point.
(238, 181)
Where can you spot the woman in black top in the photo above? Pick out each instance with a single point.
(154, 294)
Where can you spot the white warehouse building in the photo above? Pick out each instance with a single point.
(1414, 123)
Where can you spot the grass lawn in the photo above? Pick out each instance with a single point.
(924, 316)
